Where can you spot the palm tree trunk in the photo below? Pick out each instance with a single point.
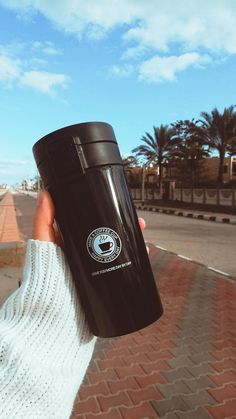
(220, 171)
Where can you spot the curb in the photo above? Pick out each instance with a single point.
(218, 271)
(187, 213)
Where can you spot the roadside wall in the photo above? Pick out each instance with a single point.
(226, 197)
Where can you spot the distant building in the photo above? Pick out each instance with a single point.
(207, 172)
(211, 167)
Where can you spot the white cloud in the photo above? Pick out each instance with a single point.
(134, 53)
(159, 69)
(149, 28)
(9, 68)
(207, 24)
(47, 47)
(44, 81)
(36, 63)
(26, 71)
(79, 16)
(121, 71)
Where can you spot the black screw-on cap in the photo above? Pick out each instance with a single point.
(71, 151)
(84, 133)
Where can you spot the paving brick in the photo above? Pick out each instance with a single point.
(200, 413)
(201, 357)
(93, 390)
(128, 383)
(192, 349)
(112, 414)
(225, 364)
(178, 387)
(203, 338)
(180, 361)
(133, 370)
(124, 342)
(9, 231)
(74, 415)
(115, 400)
(200, 398)
(88, 406)
(223, 353)
(99, 354)
(136, 359)
(202, 382)
(201, 369)
(177, 374)
(149, 393)
(222, 394)
(154, 366)
(223, 378)
(154, 355)
(93, 367)
(95, 377)
(149, 337)
(110, 363)
(143, 411)
(176, 403)
(222, 344)
(104, 344)
(226, 410)
(146, 347)
(115, 353)
(172, 415)
(146, 380)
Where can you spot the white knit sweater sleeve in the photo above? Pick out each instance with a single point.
(45, 343)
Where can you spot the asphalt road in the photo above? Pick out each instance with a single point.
(212, 244)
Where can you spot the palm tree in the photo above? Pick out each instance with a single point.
(156, 148)
(218, 131)
(130, 162)
(131, 166)
(189, 149)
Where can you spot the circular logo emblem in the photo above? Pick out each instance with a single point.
(104, 244)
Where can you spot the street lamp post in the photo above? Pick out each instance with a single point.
(143, 177)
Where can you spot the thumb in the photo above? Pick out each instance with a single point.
(44, 219)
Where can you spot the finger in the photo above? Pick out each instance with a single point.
(58, 238)
(142, 223)
(44, 219)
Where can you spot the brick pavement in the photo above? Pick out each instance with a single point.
(9, 231)
(183, 366)
(25, 208)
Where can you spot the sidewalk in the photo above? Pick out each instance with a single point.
(11, 248)
(201, 215)
(182, 366)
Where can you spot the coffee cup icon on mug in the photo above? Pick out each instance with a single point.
(106, 247)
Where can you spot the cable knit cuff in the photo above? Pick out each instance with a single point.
(45, 343)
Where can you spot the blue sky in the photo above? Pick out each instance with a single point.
(130, 63)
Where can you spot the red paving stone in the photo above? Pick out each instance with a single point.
(9, 231)
(182, 366)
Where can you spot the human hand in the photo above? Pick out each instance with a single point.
(43, 226)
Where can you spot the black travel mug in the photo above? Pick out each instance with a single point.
(82, 169)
